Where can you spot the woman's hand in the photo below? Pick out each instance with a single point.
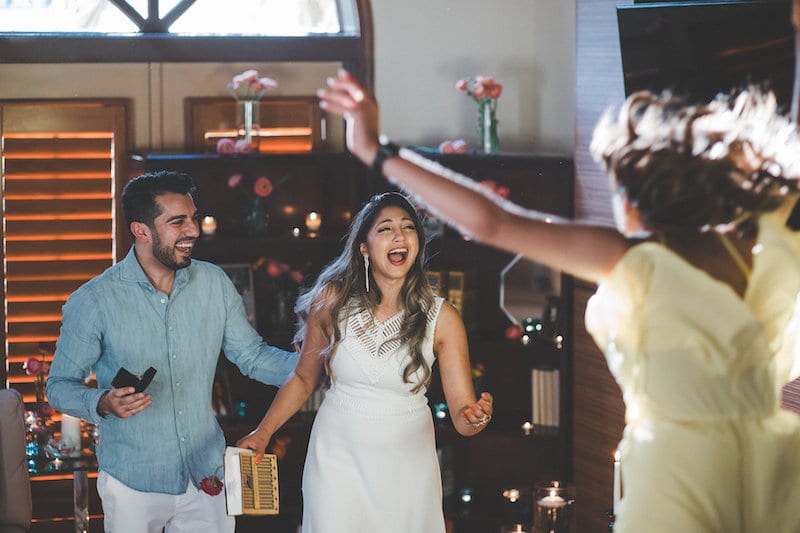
(349, 98)
(479, 414)
(257, 441)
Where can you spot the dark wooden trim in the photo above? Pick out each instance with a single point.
(105, 48)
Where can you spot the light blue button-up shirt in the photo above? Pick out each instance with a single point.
(118, 319)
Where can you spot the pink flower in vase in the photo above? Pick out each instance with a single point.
(242, 146)
(226, 146)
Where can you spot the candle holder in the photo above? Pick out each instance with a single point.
(313, 223)
(208, 226)
(554, 507)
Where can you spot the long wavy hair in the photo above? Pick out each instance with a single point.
(342, 286)
(712, 166)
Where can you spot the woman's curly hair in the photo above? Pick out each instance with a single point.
(712, 166)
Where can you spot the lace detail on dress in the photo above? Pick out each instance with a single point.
(379, 340)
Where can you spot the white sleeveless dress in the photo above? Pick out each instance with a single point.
(371, 462)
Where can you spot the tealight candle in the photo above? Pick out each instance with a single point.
(295, 231)
(313, 222)
(527, 427)
(553, 500)
(208, 225)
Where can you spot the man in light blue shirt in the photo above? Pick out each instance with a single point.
(158, 308)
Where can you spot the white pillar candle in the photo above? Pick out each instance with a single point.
(617, 482)
(71, 434)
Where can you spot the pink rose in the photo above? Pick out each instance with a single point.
(460, 146)
(264, 84)
(478, 90)
(32, 366)
(226, 146)
(242, 146)
(234, 180)
(297, 277)
(495, 90)
(461, 85)
(446, 147)
(262, 187)
(248, 76)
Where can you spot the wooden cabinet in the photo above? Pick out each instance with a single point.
(335, 186)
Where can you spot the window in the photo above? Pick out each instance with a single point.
(61, 163)
(118, 31)
(197, 17)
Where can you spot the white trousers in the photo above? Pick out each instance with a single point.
(130, 511)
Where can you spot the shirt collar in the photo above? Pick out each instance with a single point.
(131, 270)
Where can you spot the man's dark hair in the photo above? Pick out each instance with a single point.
(139, 195)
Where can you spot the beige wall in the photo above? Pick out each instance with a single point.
(421, 49)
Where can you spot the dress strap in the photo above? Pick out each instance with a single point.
(734, 253)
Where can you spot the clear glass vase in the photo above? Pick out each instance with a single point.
(247, 119)
(487, 128)
(257, 219)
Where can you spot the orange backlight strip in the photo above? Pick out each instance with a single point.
(58, 257)
(61, 135)
(64, 196)
(64, 216)
(59, 155)
(22, 319)
(37, 298)
(32, 338)
(60, 237)
(58, 176)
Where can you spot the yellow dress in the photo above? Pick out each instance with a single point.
(706, 447)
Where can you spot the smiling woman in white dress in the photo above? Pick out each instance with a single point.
(372, 322)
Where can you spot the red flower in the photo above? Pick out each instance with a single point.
(274, 269)
(211, 485)
(513, 332)
(263, 187)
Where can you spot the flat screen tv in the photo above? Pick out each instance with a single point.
(699, 49)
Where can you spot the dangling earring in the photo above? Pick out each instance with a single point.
(366, 271)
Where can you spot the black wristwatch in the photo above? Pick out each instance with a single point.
(386, 149)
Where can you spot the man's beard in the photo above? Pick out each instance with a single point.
(166, 254)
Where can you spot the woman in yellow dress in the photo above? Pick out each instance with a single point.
(697, 291)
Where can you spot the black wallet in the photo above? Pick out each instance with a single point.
(125, 379)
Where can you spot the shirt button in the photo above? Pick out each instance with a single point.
(163, 300)
(177, 383)
(180, 412)
(183, 439)
(174, 356)
(170, 328)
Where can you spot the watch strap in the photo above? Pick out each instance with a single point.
(386, 150)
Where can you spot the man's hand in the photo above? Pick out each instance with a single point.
(124, 402)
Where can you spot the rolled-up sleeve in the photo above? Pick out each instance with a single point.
(78, 348)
